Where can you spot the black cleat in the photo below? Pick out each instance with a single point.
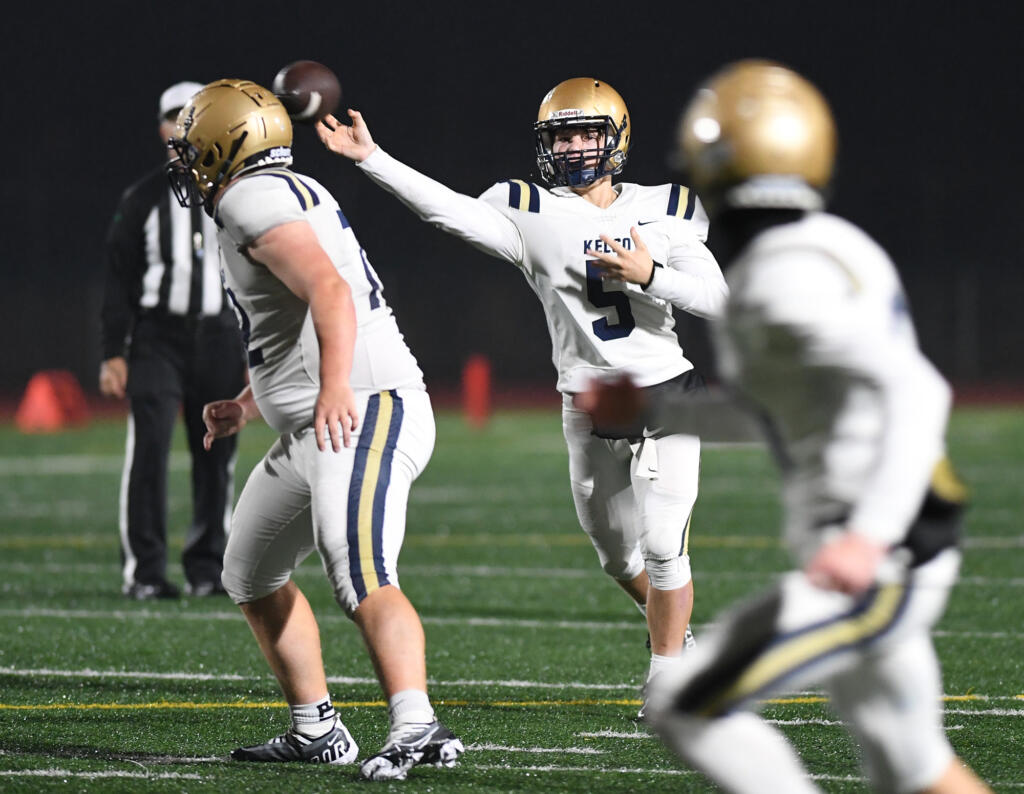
(431, 743)
(335, 747)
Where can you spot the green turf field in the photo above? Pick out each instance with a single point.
(535, 657)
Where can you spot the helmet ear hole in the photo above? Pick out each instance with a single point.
(209, 159)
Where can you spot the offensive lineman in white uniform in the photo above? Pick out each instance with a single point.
(633, 496)
(817, 339)
(330, 371)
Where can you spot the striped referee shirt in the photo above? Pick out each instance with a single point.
(160, 257)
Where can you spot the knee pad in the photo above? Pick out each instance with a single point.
(670, 574)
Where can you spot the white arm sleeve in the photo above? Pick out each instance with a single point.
(475, 221)
(916, 402)
(691, 279)
(871, 339)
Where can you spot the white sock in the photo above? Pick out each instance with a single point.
(313, 720)
(741, 752)
(409, 706)
(660, 663)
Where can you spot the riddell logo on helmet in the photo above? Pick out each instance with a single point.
(567, 113)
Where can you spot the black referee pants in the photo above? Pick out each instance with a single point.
(173, 363)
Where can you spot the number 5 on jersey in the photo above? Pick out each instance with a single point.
(616, 299)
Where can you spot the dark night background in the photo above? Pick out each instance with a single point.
(926, 98)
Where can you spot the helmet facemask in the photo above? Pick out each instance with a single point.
(582, 167)
(183, 177)
(190, 187)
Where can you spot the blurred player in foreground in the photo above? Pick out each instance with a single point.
(634, 490)
(330, 371)
(817, 341)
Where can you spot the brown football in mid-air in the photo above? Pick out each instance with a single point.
(308, 90)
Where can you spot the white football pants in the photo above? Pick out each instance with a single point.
(350, 505)
(635, 522)
(872, 654)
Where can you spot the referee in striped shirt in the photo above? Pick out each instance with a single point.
(170, 342)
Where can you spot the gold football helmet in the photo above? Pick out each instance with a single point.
(758, 135)
(228, 127)
(586, 103)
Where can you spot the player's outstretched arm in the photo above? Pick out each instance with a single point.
(293, 253)
(474, 220)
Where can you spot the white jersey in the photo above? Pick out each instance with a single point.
(284, 355)
(817, 335)
(598, 328)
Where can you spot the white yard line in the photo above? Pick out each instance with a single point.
(521, 684)
(130, 674)
(53, 465)
(510, 684)
(822, 722)
(148, 614)
(633, 771)
(559, 750)
(584, 769)
(232, 616)
(65, 773)
(95, 775)
(184, 676)
(486, 572)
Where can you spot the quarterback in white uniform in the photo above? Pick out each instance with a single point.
(329, 371)
(816, 338)
(633, 493)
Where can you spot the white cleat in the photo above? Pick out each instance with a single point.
(431, 743)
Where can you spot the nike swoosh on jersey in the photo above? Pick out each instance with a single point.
(644, 223)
